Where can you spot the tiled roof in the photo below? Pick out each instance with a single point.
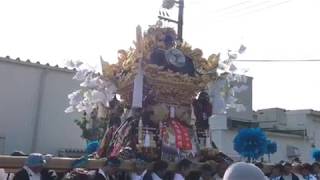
(37, 64)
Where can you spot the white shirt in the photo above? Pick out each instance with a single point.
(310, 177)
(103, 174)
(299, 176)
(32, 175)
(3, 174)
(135, 176)
(178, 177)
(287, 177)
(155, 176)
(11, 176)
(275, 178)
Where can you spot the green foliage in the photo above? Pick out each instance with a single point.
(94, 128)
(91, 132)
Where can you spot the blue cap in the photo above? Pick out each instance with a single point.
(35, 159)
(92, 147)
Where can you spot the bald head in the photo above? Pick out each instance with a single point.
(243, 171)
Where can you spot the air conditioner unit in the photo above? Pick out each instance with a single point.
(293, 151)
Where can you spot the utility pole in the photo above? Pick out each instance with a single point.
(179, 22)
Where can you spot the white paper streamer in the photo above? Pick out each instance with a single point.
(138, 89)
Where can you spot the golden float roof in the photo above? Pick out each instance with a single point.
(166, 85)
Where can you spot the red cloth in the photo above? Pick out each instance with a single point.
(116, 150)
(102, 152)
(183, 140)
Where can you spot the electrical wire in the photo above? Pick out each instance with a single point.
(232, 6)
(245, 8)
(264, 8)
(278, 60)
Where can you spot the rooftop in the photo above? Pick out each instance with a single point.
(305, 111)
(37, 64)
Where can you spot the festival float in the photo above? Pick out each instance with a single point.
(166, 107)
(154, 100)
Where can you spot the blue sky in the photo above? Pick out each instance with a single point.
(60, 30)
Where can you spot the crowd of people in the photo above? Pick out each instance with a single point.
(34, 169)
(292, 171)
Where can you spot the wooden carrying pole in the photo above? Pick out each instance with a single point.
(12, 163)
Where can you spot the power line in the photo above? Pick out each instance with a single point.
(278, 60)
(235, 7)
(232, 6)
(249, 6)
(254, 8)
(264, 8)
(246, 8)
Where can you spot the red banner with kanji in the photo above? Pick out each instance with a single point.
(183, 140)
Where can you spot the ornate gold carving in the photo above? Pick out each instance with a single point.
(168, 87)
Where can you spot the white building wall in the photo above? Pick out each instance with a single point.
(308, 120)
(303, 120)
(226, 146)
(57, 129)
(17, 105)
(297, 120)
(224, 136)
(19, 94)
(272, 118)
(284, 140)
(313, 130)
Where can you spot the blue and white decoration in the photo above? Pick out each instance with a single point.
(316, 155)
(250, 143)
(271, 147)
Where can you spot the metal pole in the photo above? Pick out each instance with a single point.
(180, 20)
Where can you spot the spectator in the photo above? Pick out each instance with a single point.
(183, 169)
(193, 175)
(262, 168)
(169, 175)
(140, 171)
(159, 170)
(243, 171)
(306, 172)
(276, 172)
(221, 169)
(34, 169)
(207, 172)
(109, 170)
(286, 172)
(10, 176)
(296, 169)
(3, 174)
(316, 170)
